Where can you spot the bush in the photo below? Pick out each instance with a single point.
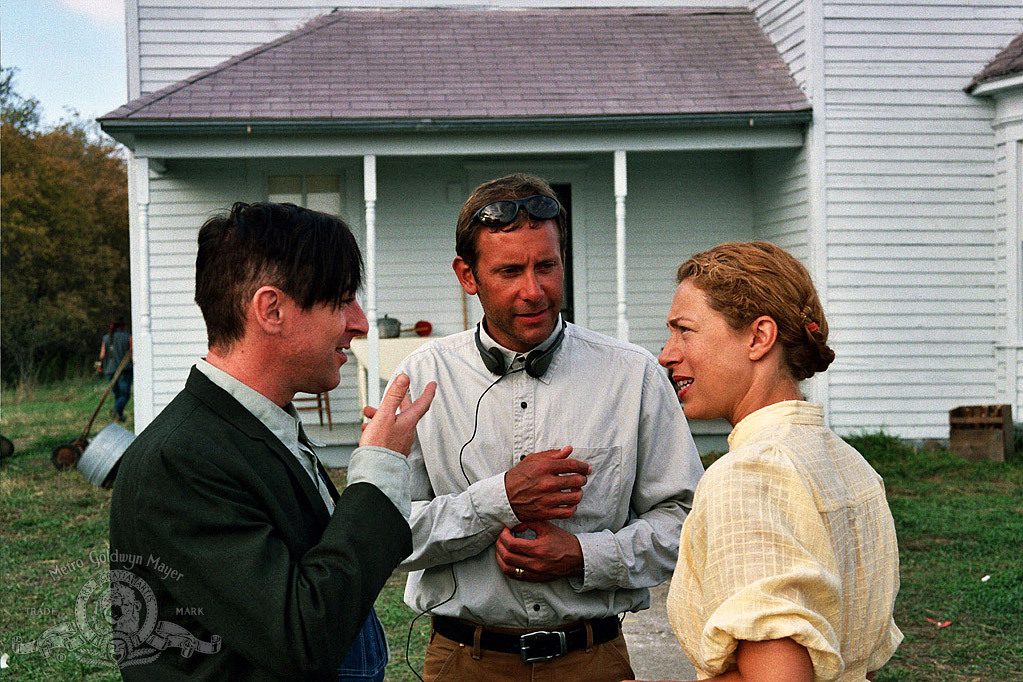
(896, 460)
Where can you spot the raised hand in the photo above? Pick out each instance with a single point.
(393, 424)
(546, 485)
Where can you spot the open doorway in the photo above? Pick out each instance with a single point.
(564, 193)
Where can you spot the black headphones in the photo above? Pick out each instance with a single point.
(537, 361)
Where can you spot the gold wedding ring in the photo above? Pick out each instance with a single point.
(519, 573)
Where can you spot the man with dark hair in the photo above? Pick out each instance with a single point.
(223, 519)
(551, 481)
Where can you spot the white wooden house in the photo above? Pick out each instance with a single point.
(840, 129)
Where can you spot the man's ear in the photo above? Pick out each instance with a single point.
(763, 332)
(465, 276)
(267, 309)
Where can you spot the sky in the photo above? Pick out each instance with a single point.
(69, 54)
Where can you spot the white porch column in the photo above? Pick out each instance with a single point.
(819, 386)
(621, 191)
(141, 314)
(1009, 392)
(369, 182)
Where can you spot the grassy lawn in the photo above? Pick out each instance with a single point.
(958, 522)
(960, 526)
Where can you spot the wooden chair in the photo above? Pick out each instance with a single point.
(319, 402)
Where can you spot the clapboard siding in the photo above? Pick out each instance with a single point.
(914, 251)
(911, 387)
(911, 210)
(978, 181)
(909, 184)
(909, 110)
(923, 351)
(176, 39)
(416, 241)
(969, 122)
(781, 213)
(956, 22)
(976, 309)
(895, 41)
(1009, 378)
(678, 204)
(915, 294)
(781, 185)
(908, 154)
(705, 198)
(898, 210)
(1019, 387)
(911, 215)
(1003, 376)
(784, 22)
(180, 201)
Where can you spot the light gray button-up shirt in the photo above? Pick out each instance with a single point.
(612, 403)
(387, 470)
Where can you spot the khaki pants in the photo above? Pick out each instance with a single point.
(451, 661)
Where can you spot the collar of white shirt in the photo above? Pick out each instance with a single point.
(514, 359)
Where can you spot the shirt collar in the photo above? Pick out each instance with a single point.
(785, 412)
(282, 422)
(512, 359)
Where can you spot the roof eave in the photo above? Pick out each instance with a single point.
(126, 129)
(996, 85)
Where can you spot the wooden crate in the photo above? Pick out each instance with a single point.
(982, 432)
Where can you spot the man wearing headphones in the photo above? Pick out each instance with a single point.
(552, 477)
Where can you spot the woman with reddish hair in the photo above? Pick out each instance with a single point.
(788, 565)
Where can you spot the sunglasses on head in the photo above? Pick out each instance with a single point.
(504, 212)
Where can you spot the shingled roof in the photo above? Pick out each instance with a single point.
(475, 63)
(1008, 62)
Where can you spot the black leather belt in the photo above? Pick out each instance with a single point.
(534, 647)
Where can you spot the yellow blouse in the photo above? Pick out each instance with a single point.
(790, 536)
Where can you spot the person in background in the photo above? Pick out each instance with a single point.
(551, 478)
(116, 344)
(788, 565)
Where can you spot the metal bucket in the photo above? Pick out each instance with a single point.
(390, 327)
(103, 453)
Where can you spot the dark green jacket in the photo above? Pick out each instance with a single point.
(229, 533)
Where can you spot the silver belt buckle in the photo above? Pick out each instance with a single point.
(538, 638)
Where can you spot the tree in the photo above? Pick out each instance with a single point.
(63, 241)
(20, 112)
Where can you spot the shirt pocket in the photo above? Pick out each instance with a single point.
(602, 492)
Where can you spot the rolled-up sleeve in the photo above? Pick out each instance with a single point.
(643, 553)
(765, 562)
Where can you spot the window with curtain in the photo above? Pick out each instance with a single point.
(318, 192)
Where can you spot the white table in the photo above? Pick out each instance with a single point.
(392, 352)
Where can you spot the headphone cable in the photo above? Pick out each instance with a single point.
(475, 422)
(454, 580)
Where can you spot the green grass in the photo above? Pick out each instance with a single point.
(958, 521)
(51, 520)
(396, 618)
